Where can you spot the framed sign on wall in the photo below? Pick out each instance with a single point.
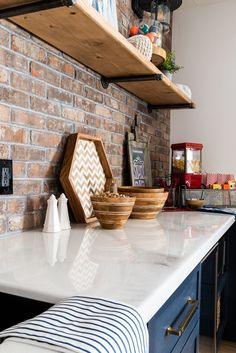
(139, 163)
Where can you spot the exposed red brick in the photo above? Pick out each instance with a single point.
(113, 149)
(35, 203)
(4, 151)
(25, 83)
(36, 170)
(110, 102)
(13, 134)
(116, 161)
(14, 97)
(85, 77)
(73, 114)
(104, 135)
(113, 126)
(93, 120)
(47, 139)
(61, 65)
(84, 129)
(14, 28)
(4, 75)
(124, 108)
(45, 74)
(4, 37)
(45, 106)
(132, 102)
(5, 113)
(28, 118)
(45, 95)
(18, 222)
(119, 117)
(72, 85)
(59, 95)
(53, 155)
(93, 95)
(59, 126)
(103, 111)
(3, 206)
(27, 187)
(117, 138)
(118, 94)
(12, 60)
(28, 49)
(19, 169)
(84, 104)
(23, 153)
(16, 205)
(116, 171)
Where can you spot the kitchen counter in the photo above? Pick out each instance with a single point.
(141, 265)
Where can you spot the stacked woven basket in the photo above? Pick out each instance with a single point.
(113, 210)
(149, 201)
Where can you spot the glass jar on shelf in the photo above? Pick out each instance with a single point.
(148, 27)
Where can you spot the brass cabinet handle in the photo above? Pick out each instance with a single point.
(180, 330)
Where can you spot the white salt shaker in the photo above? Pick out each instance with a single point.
(52, 223)
(63, 212)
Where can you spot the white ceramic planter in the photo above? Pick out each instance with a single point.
(168, 74)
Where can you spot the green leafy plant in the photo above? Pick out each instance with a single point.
(169, 64)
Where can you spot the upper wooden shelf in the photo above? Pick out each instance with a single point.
(82, 33)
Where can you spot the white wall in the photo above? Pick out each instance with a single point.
(204, 38)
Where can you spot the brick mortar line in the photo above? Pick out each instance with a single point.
(29, 129)
(61, 74)
(74, 95)
(93, 74)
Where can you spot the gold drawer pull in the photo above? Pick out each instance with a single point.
(180, 330)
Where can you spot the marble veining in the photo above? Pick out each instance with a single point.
(140, 265)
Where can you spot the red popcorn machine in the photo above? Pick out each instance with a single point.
(186, 166)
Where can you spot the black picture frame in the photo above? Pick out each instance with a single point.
(6, 177)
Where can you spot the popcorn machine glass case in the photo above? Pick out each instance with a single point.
(187, 164)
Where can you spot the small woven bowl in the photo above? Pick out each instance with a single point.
(195, 203)
(112, 212)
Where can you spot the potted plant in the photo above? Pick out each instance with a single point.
(169, 67)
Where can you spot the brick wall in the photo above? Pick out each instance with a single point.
(44, 96)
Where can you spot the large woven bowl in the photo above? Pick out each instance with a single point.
(149, 201)
(112, 212)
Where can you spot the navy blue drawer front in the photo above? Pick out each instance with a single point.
(175, 312)
(192, 344)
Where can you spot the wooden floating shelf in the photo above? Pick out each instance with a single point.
(82, 33)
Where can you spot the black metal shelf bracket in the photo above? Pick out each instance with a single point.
(42, 5)
(105, 81)
(152, 107)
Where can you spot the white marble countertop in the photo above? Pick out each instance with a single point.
(141, 265)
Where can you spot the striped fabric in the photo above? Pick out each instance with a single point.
(86, 325)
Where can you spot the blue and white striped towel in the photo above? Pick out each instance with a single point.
(86, 325)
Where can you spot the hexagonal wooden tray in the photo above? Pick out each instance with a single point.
(85, 171)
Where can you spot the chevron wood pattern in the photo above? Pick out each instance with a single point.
(85, 171)
(87, 175)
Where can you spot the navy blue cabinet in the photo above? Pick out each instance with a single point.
(191, 345)
(214, 293)
(175, 327)
(230, 296)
